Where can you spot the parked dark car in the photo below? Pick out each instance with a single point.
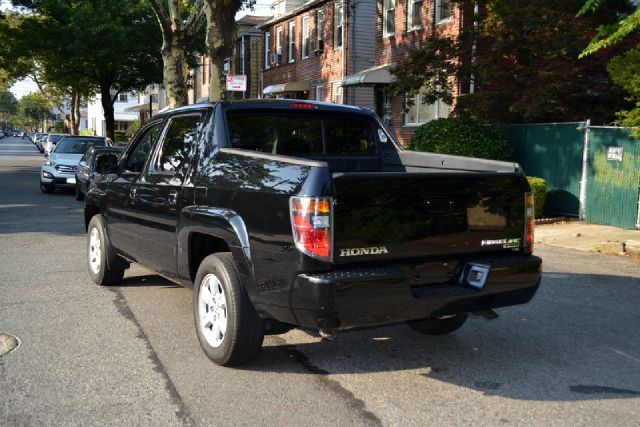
(86, 172)
(290, 213)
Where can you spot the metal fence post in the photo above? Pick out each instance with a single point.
(585, 170)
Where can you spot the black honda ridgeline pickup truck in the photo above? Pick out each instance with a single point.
(290, 213)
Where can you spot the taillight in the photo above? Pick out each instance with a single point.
(311, 221)
(529, 223)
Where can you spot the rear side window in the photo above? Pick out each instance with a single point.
(304, 134)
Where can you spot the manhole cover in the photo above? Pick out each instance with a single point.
(8, 343)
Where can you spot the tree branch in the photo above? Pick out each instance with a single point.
(163, 18)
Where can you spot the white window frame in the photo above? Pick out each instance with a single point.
(388, 11)
(279, 40)
(338, 26)
(305, 36)
(292, 41)
(267, 50)
(439, 18)
(442, 110)
(411, 9)
(319, 93)
(337, 93)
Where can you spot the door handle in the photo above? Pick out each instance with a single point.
(133, 193)
(172, 197)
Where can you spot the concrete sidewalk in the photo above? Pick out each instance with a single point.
(587, 237)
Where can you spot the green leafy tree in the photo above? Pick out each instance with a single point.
(522, 58)
(624, 68)
(34, 108)
(111, 46)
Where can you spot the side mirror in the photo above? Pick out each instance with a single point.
(106, 163)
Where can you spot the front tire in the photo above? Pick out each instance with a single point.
(79, 193)
(228, 327)
(105, 267)
(47, 188)
(435, 326)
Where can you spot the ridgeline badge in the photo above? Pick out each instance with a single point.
(506, 243)
(374, 250)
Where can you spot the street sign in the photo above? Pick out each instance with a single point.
(237, 83)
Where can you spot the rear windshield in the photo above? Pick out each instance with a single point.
(77, 145)
(301, 134)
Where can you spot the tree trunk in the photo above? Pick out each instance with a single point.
(107, 107)
(75, 112)
(175, 71)
(221, 37)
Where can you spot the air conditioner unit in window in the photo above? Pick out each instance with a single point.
(274, 59)
(318, 47)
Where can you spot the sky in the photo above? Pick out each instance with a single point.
(24, 87)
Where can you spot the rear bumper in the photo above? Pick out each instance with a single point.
(345, 299)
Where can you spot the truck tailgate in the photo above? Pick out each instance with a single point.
(389, 216)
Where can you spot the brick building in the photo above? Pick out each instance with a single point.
(310, 47)
(400, 26)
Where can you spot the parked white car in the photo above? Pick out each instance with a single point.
(51, 142)
(59, 169)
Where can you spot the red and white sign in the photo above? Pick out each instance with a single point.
(237, 83)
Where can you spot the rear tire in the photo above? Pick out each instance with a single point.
(228, 327)
(435, 326)
(105, 267)
(47, 188)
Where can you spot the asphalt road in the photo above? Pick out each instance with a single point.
(129, 355)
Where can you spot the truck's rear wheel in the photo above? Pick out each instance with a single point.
(229, 329)
(105, 266)
(435, 326)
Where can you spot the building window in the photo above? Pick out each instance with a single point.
(419, 112)
(120, 125)
(292, 41)
(444, 11)
(389, 18)
(305, 37)
(319, 93)
(122, 97)
(320, 25)
(267, 49)
(337, 26)
(414, 14)
(279, 40)
(336, 93)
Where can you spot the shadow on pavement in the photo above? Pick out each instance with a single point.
(557, 348)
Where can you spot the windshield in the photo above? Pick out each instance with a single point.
(77, 145)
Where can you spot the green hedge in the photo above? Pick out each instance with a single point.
(461, 136)
(539, 190)
(120, 136)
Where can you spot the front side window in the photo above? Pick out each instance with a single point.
(337, 26)
(140, 152)
(389, 18)
(178, 140)
(444, 10)
(292, 41)
(414, 14)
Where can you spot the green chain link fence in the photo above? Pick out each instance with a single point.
(613, 177)
(555, 152)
